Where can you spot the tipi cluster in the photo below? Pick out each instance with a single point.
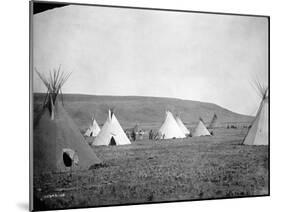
(59, 146)
(174, 128)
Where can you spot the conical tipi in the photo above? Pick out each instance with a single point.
(213, 122)
(57, 143)
(182, 126)
(201, 130)
(170, 128)
(111, 133)
(258, 133)
(93, 130)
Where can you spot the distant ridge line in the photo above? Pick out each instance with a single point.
(143, 97)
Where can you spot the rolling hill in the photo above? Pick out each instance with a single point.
(148, 112)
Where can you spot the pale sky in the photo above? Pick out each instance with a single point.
(117, 51)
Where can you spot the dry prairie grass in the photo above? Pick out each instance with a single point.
(153, 171)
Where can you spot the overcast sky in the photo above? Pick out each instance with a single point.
(114, 51)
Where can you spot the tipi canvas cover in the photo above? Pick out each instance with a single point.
(170, 128)
(57, 141)
(111, 133)
(182, 126)
(258, 133)
(93, 130)
(51, 137)
(201, 130)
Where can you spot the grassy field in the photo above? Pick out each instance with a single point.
(153, 171)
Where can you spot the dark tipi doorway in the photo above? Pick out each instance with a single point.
(67, 160)
(112, 141)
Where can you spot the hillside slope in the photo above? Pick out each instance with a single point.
(146, 111)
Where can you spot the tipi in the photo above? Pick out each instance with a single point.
(201, 130)
(213, 122)
(258, 133)
(170, 128)
(93, 130)
(57, 143)
(182, 126)
(111, 133)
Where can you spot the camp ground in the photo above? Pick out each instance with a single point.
(179, 144)
(138, 106)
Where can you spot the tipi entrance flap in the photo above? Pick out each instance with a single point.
(70, 157)
(112, 141)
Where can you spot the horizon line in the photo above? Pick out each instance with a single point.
(150, 97)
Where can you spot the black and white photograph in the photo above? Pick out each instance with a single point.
(133, 105)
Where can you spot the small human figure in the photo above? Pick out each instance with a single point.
(150, 135)
(141, 132)
(134, 135)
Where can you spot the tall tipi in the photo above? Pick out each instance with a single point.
(182, 126)
(93, 130)
(57, 143)
(258, 133)
(111, 133)
(201, 130)
(170, 128)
